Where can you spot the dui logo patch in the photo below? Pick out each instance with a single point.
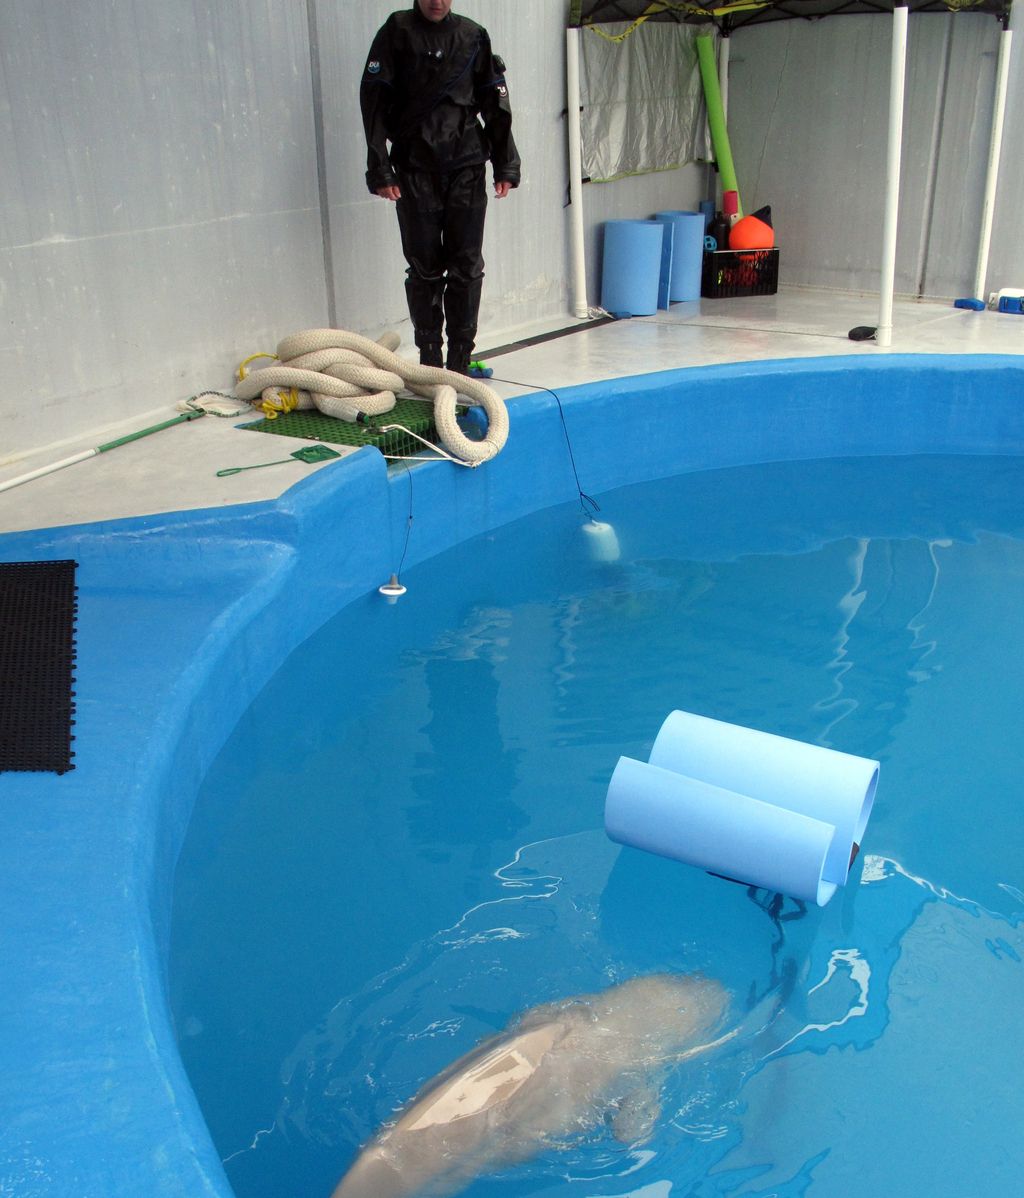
(373, 67)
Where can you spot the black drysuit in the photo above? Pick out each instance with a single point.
(424, 89)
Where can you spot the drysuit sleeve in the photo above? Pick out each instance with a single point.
(492, 100)
(376, 99)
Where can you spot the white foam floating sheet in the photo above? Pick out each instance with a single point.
(762, 809)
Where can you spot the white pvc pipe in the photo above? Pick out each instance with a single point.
(51, 469)
(995, 146)
(98, 449)
(897, 80)
(577, 243)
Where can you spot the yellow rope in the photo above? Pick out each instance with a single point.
(657, 7)
(285, 402)
(241, 372)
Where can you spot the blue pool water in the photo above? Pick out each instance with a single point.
(401, 845)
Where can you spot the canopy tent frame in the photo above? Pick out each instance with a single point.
(729, 15)
(736, 14)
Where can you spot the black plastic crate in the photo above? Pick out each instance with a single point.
(727, 274)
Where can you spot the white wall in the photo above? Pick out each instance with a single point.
(161, 210)
(160, 200)
(159, 203)
(808, 124)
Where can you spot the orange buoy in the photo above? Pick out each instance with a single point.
(753, 232)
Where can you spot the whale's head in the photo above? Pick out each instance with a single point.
(660, 1014)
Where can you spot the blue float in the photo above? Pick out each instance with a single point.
(688, 229)
(631, 267)
(753, 807)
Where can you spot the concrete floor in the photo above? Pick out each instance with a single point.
(176, 470)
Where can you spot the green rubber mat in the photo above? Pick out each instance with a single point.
(417, 415)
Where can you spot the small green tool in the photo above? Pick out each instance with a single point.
(309, 453)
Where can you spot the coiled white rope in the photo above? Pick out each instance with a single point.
(351, 377)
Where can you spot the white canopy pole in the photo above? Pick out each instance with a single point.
(577, 245)
(995, 146)
(897, 79)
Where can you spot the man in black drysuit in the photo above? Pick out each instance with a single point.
(429, 78)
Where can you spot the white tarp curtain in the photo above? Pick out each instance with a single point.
(642, 100)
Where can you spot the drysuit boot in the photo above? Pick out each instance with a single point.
(459, 354)
(424, 297)
(430, 353)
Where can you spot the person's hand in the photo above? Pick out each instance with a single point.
(390, 193)
(502, 189)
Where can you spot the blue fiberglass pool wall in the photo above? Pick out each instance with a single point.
(184, 617)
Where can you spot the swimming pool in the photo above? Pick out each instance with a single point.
(184, 618)
(401, 847)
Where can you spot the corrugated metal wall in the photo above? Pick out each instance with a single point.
(182, 183)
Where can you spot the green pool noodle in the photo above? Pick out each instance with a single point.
(716, 117)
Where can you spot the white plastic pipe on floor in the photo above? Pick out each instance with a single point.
(52, 468)
(897, 84)
(995, 147)
(75, 458)
(577, 244)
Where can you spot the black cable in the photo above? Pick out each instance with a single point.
(584, 498)
(408, 524)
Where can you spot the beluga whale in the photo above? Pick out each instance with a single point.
(556, 1072)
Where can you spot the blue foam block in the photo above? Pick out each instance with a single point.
(687, 253)
(718, 830)
(631, 266)
(665, 278)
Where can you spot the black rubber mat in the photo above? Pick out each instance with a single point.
(38, 605)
